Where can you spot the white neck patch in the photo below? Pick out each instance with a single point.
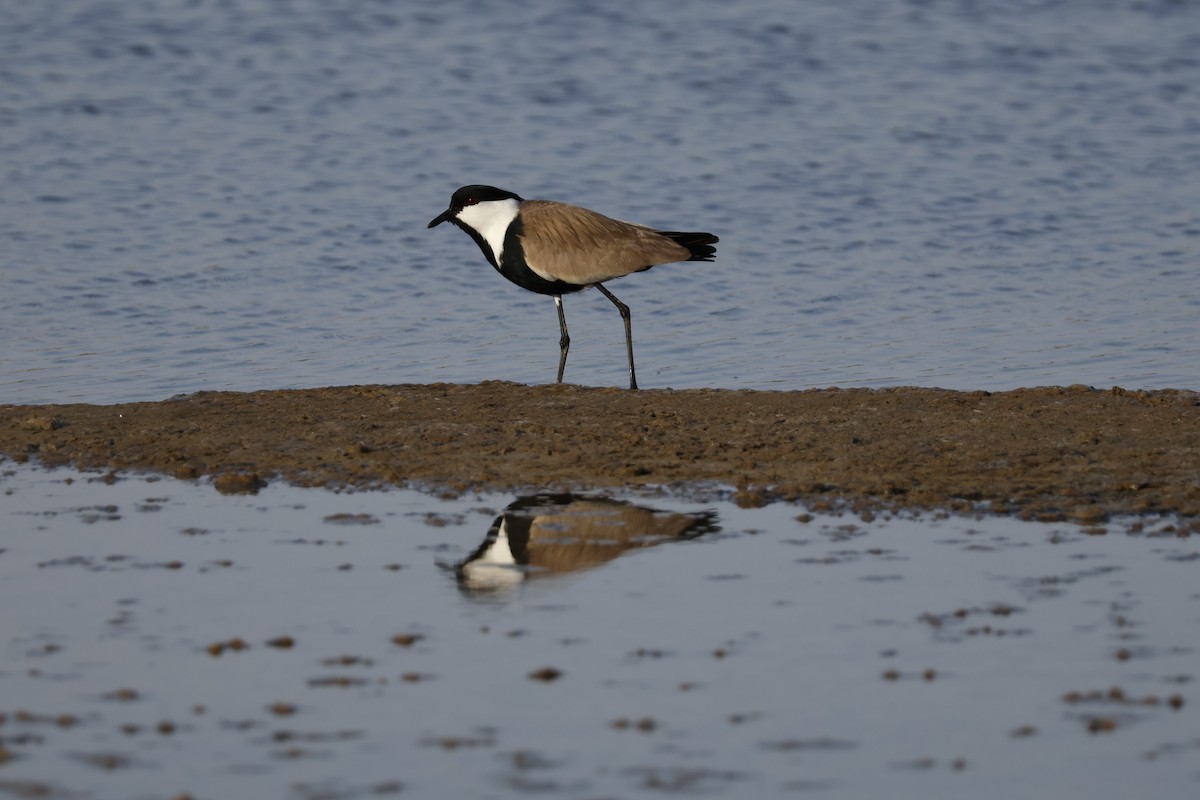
(491, 219)
(499, 551)
(496, 568)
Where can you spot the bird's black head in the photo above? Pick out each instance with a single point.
(469, 196)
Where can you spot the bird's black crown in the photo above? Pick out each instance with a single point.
(478, 193)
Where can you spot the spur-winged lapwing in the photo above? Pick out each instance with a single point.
(555, 249)
(545, 535)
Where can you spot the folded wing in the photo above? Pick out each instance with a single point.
(569, 243)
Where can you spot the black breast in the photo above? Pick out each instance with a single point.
(512, 266)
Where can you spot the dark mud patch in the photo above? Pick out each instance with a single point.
(1052, 454)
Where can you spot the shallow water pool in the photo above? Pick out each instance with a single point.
(161, 640)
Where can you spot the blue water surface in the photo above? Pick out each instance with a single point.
(974, 195)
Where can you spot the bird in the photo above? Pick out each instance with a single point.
(554, 248)
(546, 535)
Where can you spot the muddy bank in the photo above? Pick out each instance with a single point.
(1048, 453)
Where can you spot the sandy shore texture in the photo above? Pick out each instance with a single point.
(1073, 453)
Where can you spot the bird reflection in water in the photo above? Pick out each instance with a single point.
(553, 534)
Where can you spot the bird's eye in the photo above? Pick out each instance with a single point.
(470, 201)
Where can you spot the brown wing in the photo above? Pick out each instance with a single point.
(569, 243)
(585, 533)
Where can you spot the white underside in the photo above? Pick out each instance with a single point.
(491, 219)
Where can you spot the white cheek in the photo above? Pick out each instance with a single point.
(491, 218)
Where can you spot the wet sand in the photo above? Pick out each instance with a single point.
(1073, 453)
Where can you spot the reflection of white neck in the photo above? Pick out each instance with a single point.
(495, 568)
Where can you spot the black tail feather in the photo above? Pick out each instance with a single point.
(699, 244)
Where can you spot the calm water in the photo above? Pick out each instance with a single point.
(209, 195)
(160, 639)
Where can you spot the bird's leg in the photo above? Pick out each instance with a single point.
(624, 309)
(564, 341)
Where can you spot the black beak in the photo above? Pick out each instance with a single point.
(442, 217)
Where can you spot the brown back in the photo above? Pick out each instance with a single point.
(586, 533)
(569, 243)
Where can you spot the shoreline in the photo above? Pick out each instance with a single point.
(1048, 453)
